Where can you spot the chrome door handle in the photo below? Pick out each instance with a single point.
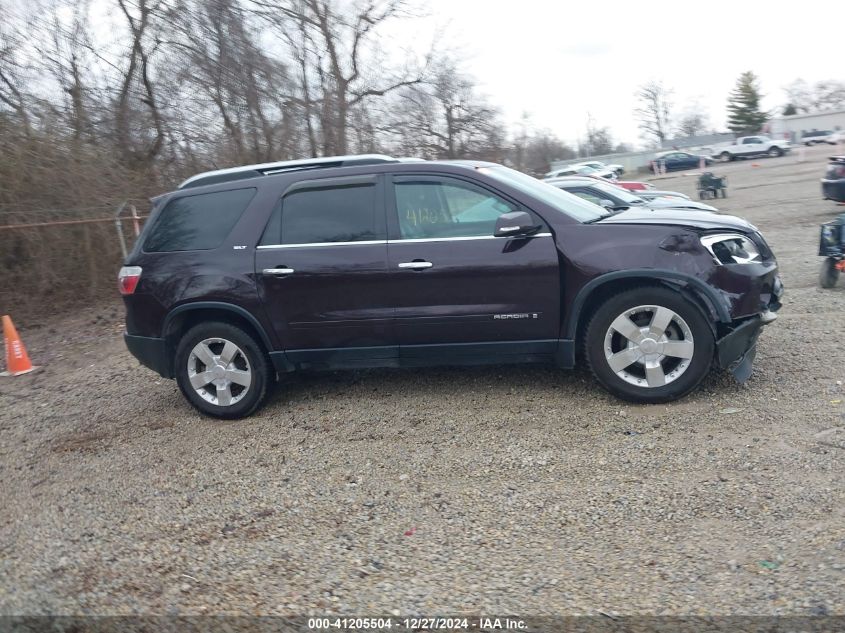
(416, 265)
(278, 271)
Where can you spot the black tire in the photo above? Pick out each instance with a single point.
(725, 157)
(251, 355)
(775, 152)
(829, 274)
(598, 331)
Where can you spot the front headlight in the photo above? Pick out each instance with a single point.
(731, 248)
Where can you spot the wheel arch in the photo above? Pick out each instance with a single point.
(598, 290)
(179, 320)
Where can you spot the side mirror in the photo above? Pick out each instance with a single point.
(608, 204)
(513, 224)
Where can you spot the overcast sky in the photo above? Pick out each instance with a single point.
(560, 60)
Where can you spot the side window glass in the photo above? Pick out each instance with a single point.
(273, 231)
(332, 214)
(444, 209)
(201, 222)
(587, 195)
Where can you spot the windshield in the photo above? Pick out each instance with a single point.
(617, 192)
(565, 202)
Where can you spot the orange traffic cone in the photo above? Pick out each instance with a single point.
(17, 360)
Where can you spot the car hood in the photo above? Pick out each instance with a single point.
(704, 220)
(677, 203)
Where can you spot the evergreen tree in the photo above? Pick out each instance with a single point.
(744, 114)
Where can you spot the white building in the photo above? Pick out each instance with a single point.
(792, 127)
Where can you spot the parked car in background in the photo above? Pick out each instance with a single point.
(833, 183)
(676, 161)
(582, 170)
(837, 137)
(750, 147)
(648, 194)
(244, 274)
(610, 196)
(634, 185)
(817, 136)
(595, 164)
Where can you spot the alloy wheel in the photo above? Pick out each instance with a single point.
(219, 371)
(649, 346)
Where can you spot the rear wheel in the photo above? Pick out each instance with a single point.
(649, 345)
(774, 152)
(725, 157)
(829, 274)
(222, 370)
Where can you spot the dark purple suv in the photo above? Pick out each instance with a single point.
(241, 275)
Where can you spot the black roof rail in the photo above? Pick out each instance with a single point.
(266, 169)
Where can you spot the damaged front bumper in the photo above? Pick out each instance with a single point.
(736, 350)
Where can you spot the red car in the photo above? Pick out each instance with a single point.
(633, 185)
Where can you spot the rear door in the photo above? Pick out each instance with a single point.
(460, 291)
(322, 270)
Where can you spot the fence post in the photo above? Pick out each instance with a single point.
(118, 223)
(134, 212)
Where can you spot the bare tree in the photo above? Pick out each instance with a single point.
(338, 57)
(138, 118)
(13, 97)
(823, 95)
(234, 86)
(446, 118)
(542, 149)
(599, 140)
(653, 111)
(693, 121)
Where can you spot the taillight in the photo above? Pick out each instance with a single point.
(127, 279)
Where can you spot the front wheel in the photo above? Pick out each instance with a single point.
(774, 152)
(222, 370)
(725, 157)
(829, 274)
(649, 345)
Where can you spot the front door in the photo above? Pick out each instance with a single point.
(458, 289)
(752, 145)
(322, 270)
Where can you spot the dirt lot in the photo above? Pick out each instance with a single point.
(507, 489)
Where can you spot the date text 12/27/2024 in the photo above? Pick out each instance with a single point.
(417, 623)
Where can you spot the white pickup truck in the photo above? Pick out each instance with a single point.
(750, 146)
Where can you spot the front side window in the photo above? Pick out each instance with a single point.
(431, 209)
(330, 214)
(201, 222)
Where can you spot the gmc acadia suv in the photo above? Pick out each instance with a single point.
(244, 274)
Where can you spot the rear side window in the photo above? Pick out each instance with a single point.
(326, 215)
(201, 222)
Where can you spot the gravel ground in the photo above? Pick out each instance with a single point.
(493, 490)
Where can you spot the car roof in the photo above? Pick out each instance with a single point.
(674, 151)
(243, 172)
(576, 180)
